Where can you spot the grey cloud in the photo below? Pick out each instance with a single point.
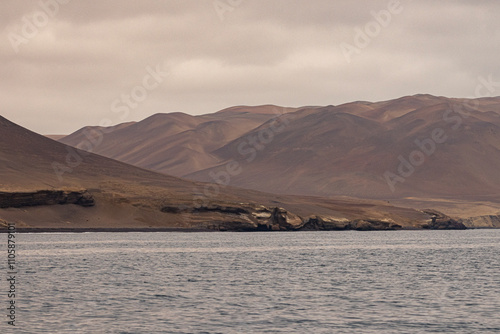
(281, 52)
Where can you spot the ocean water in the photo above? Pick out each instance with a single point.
(284, 282)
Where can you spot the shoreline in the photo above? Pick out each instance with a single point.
(190, 230)
(99, 230)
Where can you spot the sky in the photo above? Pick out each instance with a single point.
(67, 64)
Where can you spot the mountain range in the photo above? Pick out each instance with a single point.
(419, 150)
(415, 162)
(49, 186)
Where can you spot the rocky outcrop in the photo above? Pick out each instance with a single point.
(440, 221)
(282, 220)
(239, 225)
(316, 223)
(204, 208)
(490, 221)
(248, 217)
(45, 197)
(373, 225)
(251, 217)
(222, 209)
(338, 224)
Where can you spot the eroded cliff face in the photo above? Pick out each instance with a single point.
(490, 221)
(440, 221)
(249, 217)
(245, 217)
(45, 197)
(338, 224)
(234, 216)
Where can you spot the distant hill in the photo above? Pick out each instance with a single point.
(176, 143)
(51, 186)
(419, 146)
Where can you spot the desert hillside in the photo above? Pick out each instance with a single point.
(424, 149)
(46, 185)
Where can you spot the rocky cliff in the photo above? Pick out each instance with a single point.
(248, 217)
(440, 221)
(238, 216)
(45, 197)
(490, 221)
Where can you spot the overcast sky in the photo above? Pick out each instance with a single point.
(69, 65)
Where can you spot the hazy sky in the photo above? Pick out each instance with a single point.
(66, 65)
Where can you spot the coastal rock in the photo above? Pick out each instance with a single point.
(282, 220)
(247, 217)
(222, 209)
(440, 221)
(339, 224)
(261, 213)
(489, 221)
(252, 217)
(204, 208)
(45, 197)
(237, 225)
(373, 225)
(315, 223)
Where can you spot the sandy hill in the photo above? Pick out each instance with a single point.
(175, 143)
(340, 151)
(421, 148)
(48, 185)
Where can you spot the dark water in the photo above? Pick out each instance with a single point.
(307, 282)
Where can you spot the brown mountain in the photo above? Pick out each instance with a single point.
(175, 143)
(347, 151)
(413, 149)
(48, 185)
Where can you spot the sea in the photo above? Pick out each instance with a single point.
(260, 282)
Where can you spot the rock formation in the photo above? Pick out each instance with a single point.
(45, 197)
(249, 217)
(490, 221)
(440, 221)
